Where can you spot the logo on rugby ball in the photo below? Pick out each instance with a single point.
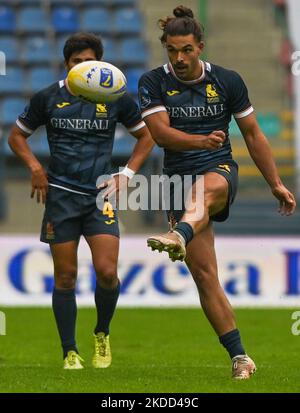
(106, 78)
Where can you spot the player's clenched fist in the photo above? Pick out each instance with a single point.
(214, 140)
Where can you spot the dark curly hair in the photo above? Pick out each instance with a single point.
(182, 24)
(81, 41)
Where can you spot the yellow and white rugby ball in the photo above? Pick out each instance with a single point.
(96, 82)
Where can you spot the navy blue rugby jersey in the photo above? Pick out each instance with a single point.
(80, 135)
(195, 107)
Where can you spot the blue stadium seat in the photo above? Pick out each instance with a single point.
(133, 51)
(65, 20)
(110, 50)
(96, 20)
(234, 130)
(11, 108)
(89, 3)
(13, 82)
(9, 46)
(7, 19)
(37, 50)
(270, 123)
(32, 19)
(116, 3)
(40, 77)
(112, 3)
(133, 76)
(127, 20)
(62, 2)
(60, 42)
(28, 2)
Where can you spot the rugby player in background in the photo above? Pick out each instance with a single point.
(80, 137)
(187, 105)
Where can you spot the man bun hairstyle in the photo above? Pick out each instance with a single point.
(182, 24)
(182, 11)
(81, 41)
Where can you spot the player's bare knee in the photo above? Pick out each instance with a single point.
(107, 277)
(204, 277)
(66, 279)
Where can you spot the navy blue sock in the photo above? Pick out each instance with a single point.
(185, 230)
(65, 311)
(232, 342)
(106, 301)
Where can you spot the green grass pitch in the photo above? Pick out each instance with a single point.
(154, 350)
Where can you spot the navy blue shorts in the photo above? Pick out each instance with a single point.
(228, 169)
(69, 215)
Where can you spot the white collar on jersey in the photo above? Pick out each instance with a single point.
(205, 66)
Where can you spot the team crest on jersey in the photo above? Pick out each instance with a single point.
(212, 94)
(172, 92)
(106, 78)
(101, 110)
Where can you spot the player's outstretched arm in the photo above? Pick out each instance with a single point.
(39, 182)
(260, 151)
(173, 139)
